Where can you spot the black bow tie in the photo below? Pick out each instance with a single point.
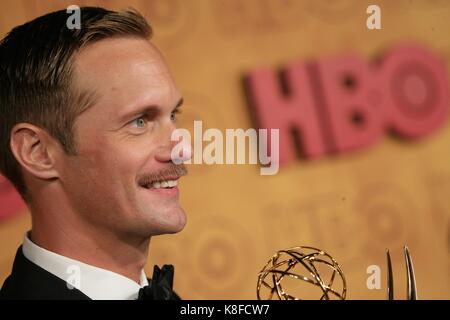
(160, 286)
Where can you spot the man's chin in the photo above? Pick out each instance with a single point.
(180, 223)
(168, 223)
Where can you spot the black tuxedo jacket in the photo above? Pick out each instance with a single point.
(28, 281)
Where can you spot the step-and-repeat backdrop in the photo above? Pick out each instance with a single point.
(353, 181)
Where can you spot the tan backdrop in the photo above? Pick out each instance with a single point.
(353, 206)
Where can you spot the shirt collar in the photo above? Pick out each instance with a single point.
(96, 283)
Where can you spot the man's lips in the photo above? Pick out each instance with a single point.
(164, 191)
(162, 182)
(167, 186)
(165, 178)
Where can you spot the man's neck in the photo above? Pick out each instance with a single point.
(100, 248)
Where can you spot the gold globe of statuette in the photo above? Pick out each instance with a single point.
(289, 271)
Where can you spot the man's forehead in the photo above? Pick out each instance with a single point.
(116, 55)
(123, 68)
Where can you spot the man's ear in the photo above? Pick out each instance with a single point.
(34, 150)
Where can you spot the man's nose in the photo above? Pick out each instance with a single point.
(176, 151)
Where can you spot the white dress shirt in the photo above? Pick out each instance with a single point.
(96, 283)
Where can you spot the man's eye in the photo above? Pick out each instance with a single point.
(173, 115)
(140, 122)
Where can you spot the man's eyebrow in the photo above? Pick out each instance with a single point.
(152, 109)
(179, 104)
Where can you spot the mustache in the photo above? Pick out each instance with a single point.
(172, 172)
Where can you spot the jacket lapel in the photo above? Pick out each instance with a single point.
(28, 281)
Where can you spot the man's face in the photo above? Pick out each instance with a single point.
(123, 141)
